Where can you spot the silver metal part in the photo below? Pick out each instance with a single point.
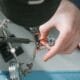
(35, 2)
(4, 23)
(5, 34)
(14, 71)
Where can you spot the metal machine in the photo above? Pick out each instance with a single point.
(17, 69)
(29, 14)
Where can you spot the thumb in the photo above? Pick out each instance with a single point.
(56, 48)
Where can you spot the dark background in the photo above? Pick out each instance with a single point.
(28, 15)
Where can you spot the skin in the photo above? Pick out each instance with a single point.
(67, 21)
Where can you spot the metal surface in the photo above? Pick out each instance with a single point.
(16, 67)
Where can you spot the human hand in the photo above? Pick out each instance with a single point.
(67, 21)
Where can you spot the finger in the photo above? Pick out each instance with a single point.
(59, 46)
(44, 43)
(46, 27)
(50, 54)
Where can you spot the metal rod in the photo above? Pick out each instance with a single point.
(15, 40)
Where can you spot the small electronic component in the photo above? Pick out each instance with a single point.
(50, 41)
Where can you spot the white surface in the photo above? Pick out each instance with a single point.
(69, 62)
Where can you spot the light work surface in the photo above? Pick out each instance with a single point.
(60, 67)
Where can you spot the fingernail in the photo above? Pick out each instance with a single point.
(45, 58)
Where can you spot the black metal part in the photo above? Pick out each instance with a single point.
(5, 52)
(15, 40)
